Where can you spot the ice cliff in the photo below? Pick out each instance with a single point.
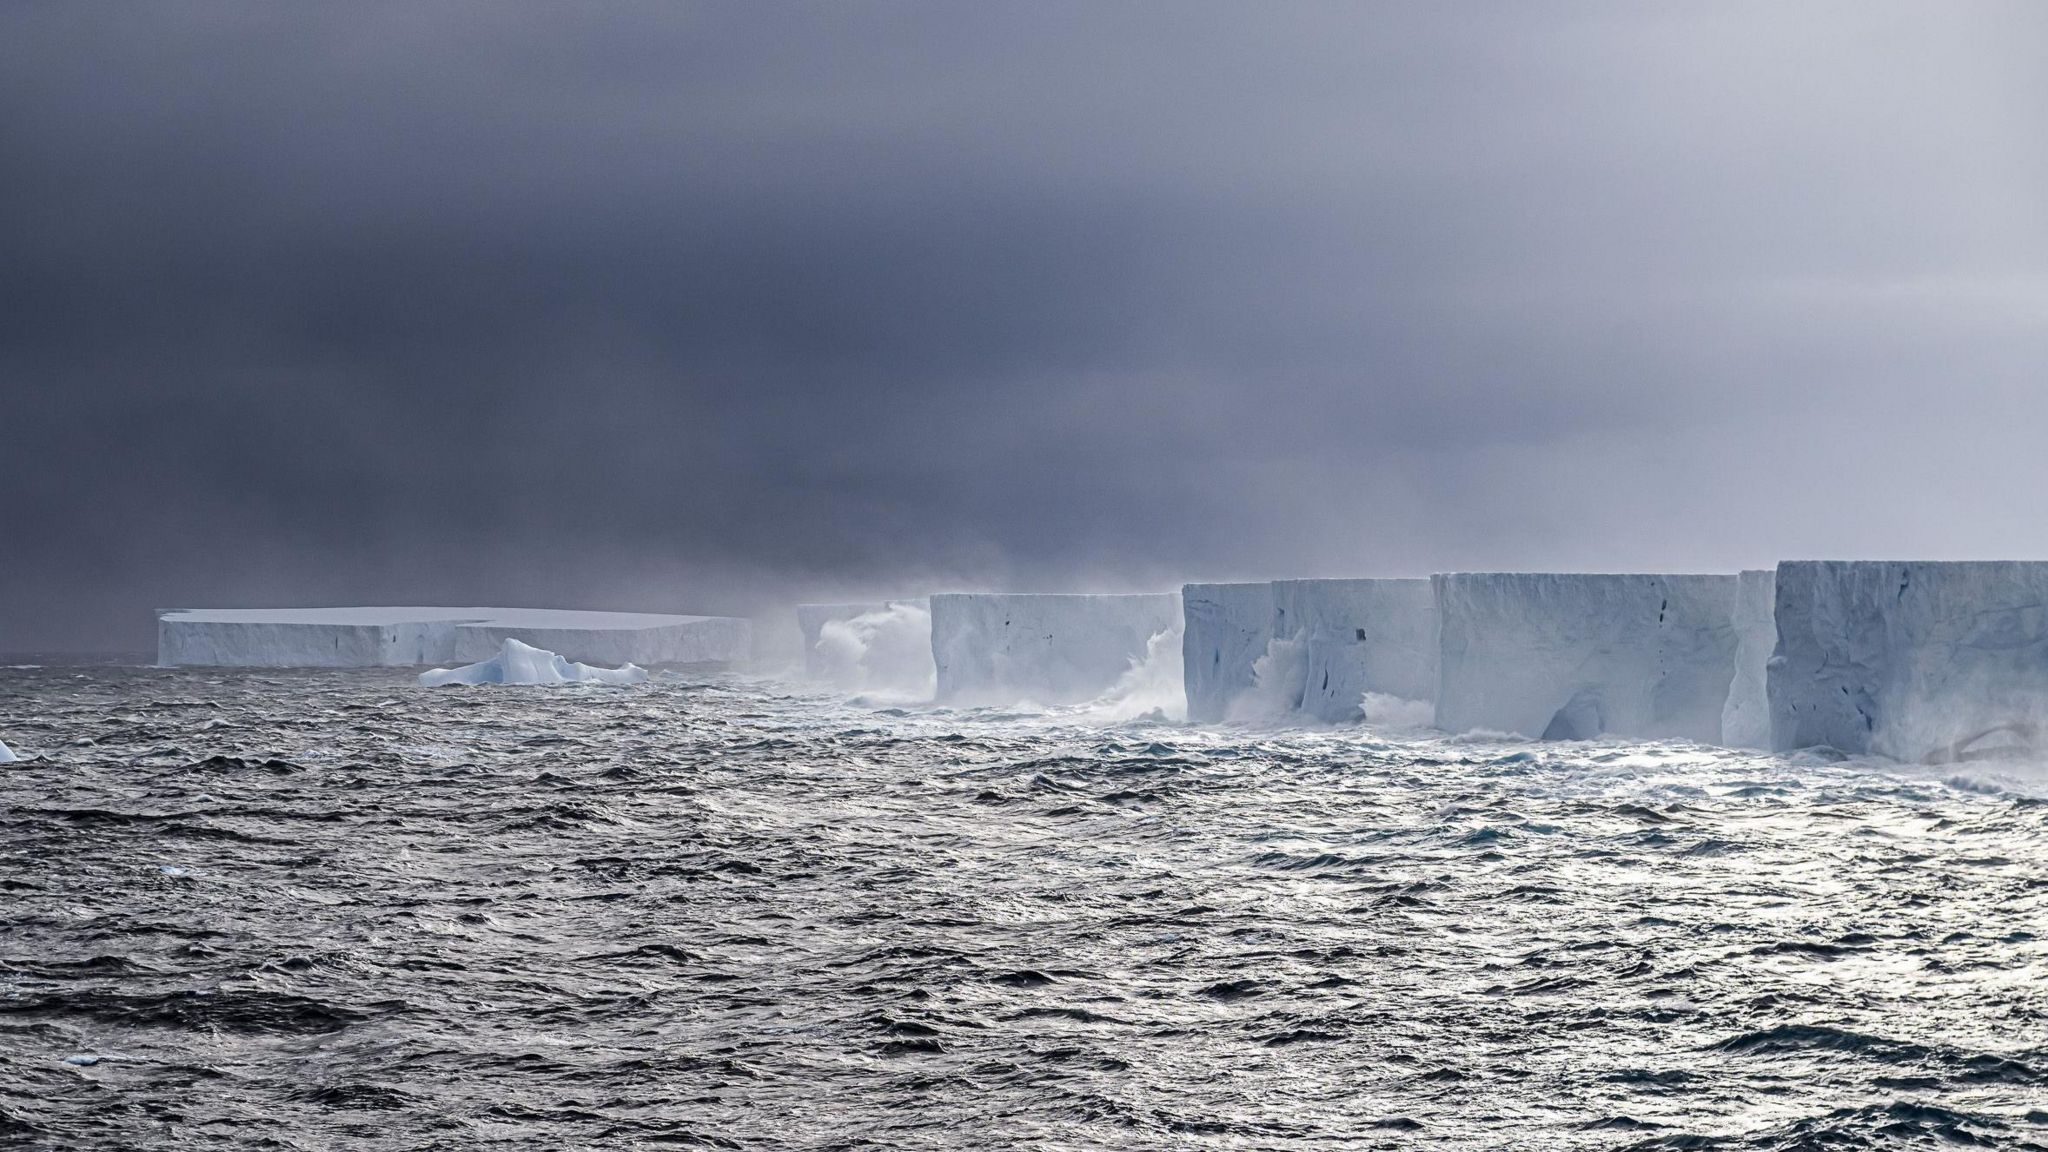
(1573, 656)
(1000, 648)
(1934, 661)
(385, 637)
(1227, 627)
(1358, 637)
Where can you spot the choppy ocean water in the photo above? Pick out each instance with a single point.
(334, 910)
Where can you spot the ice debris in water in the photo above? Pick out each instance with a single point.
(7, 755)
(518, 663)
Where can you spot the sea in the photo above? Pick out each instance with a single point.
(336, 910)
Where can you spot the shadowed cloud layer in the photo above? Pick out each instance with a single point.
(700, 306)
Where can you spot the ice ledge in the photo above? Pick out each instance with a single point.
(367, 637)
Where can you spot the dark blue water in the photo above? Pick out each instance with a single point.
(334, 910)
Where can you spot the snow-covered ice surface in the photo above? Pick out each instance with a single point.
(1227, 627)
(324, 910)
(518, 663)
(1358, 637)
(1940, 660)
(1009, 649)
(381, 637)
(1746, 719)
(1573, 655)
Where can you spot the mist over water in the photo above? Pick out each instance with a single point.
(885, 654)
(256, 909)
(1151, 689)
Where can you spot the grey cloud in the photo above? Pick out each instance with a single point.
(676, 306)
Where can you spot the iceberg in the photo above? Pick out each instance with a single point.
(1008, 648)
(399, 637)
(7, 755)
(1573, 656)
(1226, 630)
(1358, 637)
(518, 663)
(1746, 720)
(1931, 662)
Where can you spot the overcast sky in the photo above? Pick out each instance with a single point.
(702, 307)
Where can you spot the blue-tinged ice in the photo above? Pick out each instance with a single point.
(1572, 656)
(518, 663)
(1936, 661)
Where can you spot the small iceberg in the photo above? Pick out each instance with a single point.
(7, 755)
(518, 663)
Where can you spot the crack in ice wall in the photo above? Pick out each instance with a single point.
(1227, 627)
(1746, 720)
(1359, 637)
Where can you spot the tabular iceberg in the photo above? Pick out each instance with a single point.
(397, 637)
(1003, 648)
(518, 663)
(1746, 719)
(1226, 630)
(1358, 637)
(1573, 656)
(1933, 661)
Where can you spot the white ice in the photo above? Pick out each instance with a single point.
(1938, 661)
(518, 663)
(374, 637)
(1746, 720)
(1575, 655)
(1227, 630)
(1358, 637)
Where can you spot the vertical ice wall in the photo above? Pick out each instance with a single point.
(1932, 661)
(1358, 636)
(1572, 656)
(1227, 627)
(392, 636)
(1746, 720)
(1001, 648)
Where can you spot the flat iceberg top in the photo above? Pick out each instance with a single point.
(1567, 577)
(518, 663)
(486, 617)
(1057, 598)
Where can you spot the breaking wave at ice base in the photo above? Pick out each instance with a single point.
(884, 656)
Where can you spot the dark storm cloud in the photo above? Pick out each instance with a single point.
(675, 306)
